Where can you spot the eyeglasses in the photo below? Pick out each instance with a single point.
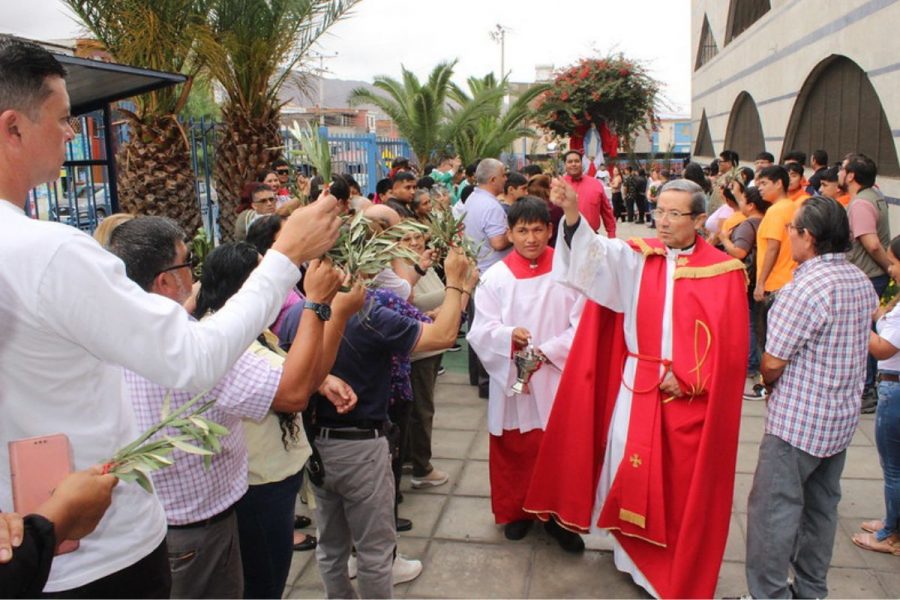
(265, 200)
(673, 215)
(282, 171)
(190, 263)
(799, 230)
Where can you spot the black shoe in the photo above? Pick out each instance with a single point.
(403, 524)
(568, 541)
(454, 348)
(516, 530)
(301, 522)
(483, 393)
(441, 370)
(308, 544)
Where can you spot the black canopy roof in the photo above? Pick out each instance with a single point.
(93, 84)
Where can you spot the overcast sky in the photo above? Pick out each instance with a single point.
(382, 34)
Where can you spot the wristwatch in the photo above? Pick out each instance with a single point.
(323, 311)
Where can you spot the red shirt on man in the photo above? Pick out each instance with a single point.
(593, 203)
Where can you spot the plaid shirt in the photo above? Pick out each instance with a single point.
(820, 325)
(188, 491)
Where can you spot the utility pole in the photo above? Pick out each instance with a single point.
(499, 36)
(321, 74)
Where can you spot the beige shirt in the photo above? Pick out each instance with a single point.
(269, 461)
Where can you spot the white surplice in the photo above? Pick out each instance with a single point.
(550, 312)
(609, 272)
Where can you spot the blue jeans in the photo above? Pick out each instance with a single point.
(266, 532)
(887, 438)
(880, 284)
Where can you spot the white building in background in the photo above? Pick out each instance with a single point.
(782, 75)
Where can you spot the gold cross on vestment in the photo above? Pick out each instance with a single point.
(635, 461)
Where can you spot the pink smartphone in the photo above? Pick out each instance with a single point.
(36, 467)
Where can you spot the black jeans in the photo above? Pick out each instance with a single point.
(147, 578)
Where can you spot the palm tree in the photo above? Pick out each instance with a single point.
(496, 131)
(252, 49)
(154, 165)
(422, 112)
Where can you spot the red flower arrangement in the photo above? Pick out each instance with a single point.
(613, 89)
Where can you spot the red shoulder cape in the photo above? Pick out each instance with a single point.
(669, 505)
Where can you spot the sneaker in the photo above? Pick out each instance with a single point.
(454, 348)
(433, 479)
(757, 392)
(406, 469)
(441, 370)
(405, 569)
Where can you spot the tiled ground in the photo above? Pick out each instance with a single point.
(466, 556)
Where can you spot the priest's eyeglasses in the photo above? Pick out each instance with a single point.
(673, 215)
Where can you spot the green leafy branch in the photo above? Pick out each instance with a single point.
(446, 231)
(363, 250)
(197, 435)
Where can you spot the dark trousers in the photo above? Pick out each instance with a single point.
(477, 374)
(791, 520)
(399, 413)
(618, 205)
(266, 532)
(205, 561)
(147, 578)
(879, 283)
(418, 436)
(756, 343)
(636, 202)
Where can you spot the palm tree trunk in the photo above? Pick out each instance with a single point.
(155, 176)
(246, 147)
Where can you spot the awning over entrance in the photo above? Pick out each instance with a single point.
(93, 84)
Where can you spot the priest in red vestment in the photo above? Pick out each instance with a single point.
(642, 439)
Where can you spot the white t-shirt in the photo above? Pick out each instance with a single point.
(888, 327)
(70, 319)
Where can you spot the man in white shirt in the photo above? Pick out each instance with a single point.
(71, 320)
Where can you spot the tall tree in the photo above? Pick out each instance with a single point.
(252, 49)
(423, 112)
(495, 131)
(154, 166)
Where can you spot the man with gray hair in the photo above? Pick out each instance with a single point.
(486, 224)
(642, 439)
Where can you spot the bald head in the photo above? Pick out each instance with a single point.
(382, 214)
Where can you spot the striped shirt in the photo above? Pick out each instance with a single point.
(188, 491)
(820, 325)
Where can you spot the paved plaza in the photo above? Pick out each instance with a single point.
(466, 556)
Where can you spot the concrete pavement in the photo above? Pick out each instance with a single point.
(466, 556)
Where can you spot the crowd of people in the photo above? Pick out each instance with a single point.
(613, 370)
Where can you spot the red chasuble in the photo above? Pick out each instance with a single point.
(669, 504)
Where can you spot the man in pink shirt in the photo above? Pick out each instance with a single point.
(592, 201)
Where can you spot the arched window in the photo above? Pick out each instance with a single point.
(742, 14)
(744, 133)
(703, 146)
(839, 111)
(708, 47)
